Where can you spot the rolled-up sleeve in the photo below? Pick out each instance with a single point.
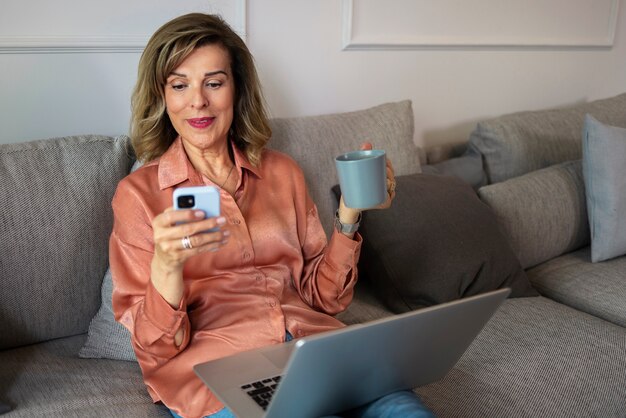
(330, 268)
(137, 305)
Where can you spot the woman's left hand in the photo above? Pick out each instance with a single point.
(349, 215)
(391, 181)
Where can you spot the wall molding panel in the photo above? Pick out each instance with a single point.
(71, 44)
(442, 24)
(91, 27)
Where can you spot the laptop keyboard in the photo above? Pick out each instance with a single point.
(262, 390)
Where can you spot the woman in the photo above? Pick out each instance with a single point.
(192, 289)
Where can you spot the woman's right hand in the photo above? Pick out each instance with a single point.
(170, 254)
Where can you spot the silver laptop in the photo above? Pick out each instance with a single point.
(338, 370)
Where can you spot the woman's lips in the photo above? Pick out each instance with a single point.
(200, 123)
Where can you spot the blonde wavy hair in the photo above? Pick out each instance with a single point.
(151, 131)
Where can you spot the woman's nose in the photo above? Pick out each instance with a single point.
(199, 99)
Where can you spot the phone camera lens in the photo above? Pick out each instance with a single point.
(186, 201)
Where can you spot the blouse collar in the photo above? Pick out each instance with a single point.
(175, 167)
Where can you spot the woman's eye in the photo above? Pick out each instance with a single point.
(213, 84)
(178, 87)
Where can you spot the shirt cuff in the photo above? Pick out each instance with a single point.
(161, 314)
(344, 251)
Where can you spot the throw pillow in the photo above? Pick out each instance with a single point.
(604, 170)
(4, 408)
(436, 243)
(542, 213)
(107, 338)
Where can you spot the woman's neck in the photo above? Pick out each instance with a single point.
(216, 163)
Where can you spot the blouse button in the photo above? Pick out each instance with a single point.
(236, 221)
(246, 255)
(258, 278)
(272, 304)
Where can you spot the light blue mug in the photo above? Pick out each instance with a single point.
(362, 178)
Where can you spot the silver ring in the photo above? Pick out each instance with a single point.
(186, 243)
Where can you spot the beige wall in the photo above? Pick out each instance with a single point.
(305, 71)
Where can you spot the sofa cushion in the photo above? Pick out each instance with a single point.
(572, 279)
(542, 213)
(55, 220)
(515, 144)
(48, 379)
(107, 338)
(315, 141)
(437, 242)
(604, 167)
(467, 167)
(365, 306)
(536, 358)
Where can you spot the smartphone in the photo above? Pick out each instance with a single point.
(205, 198)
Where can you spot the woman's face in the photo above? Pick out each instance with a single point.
(199, 96)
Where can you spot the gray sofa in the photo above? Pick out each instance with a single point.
(561, 354)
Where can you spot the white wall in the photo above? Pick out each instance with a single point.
(48, 95)
(298, 50)
(68, 67)
(297, 45)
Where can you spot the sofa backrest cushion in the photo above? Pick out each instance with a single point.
(315, 141)
(55, 221)
(467, 167)
(513, 145)
(543, 213)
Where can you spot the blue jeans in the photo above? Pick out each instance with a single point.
(401, 404)
(222, 413)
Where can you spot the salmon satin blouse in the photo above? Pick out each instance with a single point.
(277, 273)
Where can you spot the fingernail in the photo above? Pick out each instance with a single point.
(221, 220)
(226, 233)
(199, 214)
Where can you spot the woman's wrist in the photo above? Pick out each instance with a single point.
(168, 282)
(347, 215)
(347, 220)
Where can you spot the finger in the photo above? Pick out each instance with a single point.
(390, 174)
(391, 194)
(193, 228)
(209, 241)
(366, 146)
(171, 217)
(180, 250)
(390, 166)
(198, 240)
(391, 187)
